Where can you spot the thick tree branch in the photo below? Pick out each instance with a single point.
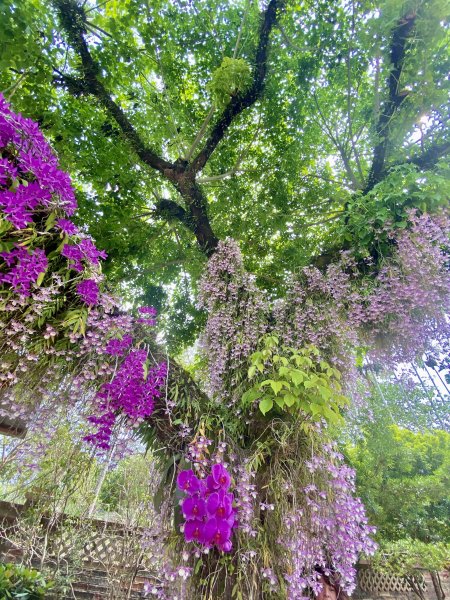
(430, 157)
(170, 211)
(196, 218)
(195, 215)
(247, 99)
(193, 218)
(400, 37)
(73, 20)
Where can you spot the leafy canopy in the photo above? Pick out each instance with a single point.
(288, 179)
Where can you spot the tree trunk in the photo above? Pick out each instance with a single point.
(437, 584)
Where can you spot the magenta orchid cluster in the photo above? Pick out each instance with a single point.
(83, 252)
(24, 268)
(114, 377)
(88, 291)
(29, 174)
(208, 508)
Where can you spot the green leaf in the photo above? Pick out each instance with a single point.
(297, 376)
(276, 386)
(280, 401)
(198, 566)
(40, 278)
(6, 246)
(316, 409)
(290, 399)
(251, 395)
(325, 392)
(251, 371)
(265, 405)
(50, 221)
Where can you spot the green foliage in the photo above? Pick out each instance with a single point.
(290, 380)
(298, 166)
(230, 79)
(394, 403)
(408, 557)
(403, 479)
(403, 189)
(66, 475)
(17, 581)
(127, 487)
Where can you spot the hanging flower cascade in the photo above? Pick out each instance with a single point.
(237, 317)
(408, 308)
(54, 313)
(396, 312)
(131, 393)
(330, 531)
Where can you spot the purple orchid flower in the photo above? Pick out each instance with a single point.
(218, 532)
(220, 505)
(188, 482)
(88, 291)
(219, 478)
(67, 226)
(195, 531)
(194, 508)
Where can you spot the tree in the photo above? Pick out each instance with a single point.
(277, 131)
(312, 135)
(402, 479)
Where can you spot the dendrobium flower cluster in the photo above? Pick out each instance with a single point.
(131, 393)
(396, 313)
(57, 273)
(331, 529)
(208, 508)
(24, 268)
(35, 197)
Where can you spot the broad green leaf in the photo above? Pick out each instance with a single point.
(289, 399)
(276, 386)
(265, 405)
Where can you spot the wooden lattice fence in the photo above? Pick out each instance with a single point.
(99, 559)
(105, 560)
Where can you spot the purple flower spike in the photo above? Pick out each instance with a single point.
(194, 508)
(188, 482)
(148, 310)
(194, 531)
(117, 347)
(88, 291)
(67, 226)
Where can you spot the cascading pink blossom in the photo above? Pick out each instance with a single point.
(237, 317)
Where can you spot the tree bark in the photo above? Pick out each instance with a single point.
(437, 584)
